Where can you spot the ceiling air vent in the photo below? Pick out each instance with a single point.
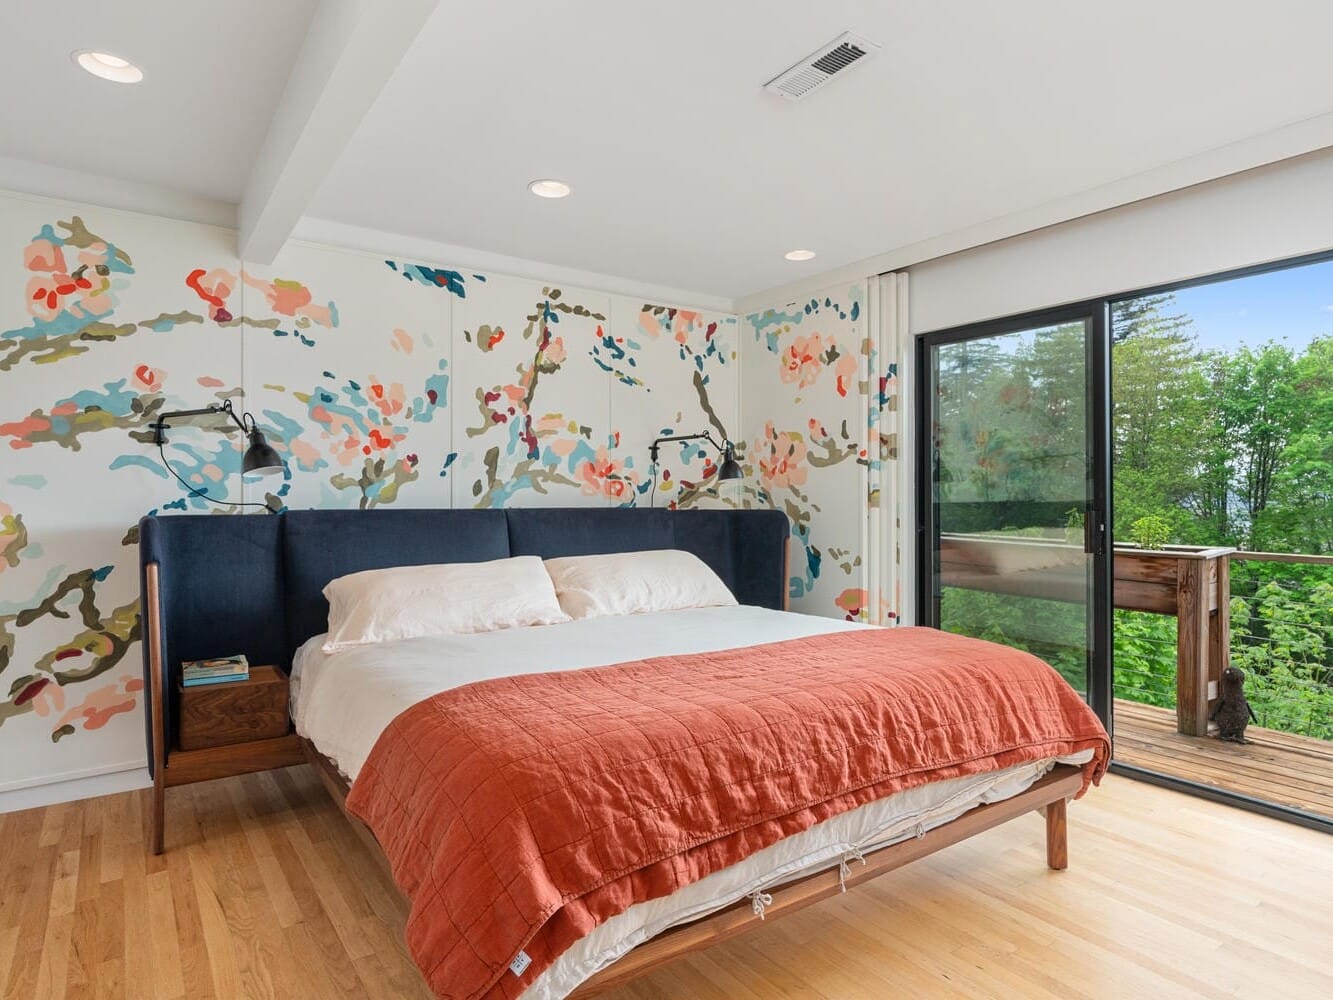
(820, 66)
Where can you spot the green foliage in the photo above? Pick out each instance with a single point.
(1056, 631)
(1145, 658)
(1150, 531)
(1209, 448)
(1282, 636)
(1229, 449)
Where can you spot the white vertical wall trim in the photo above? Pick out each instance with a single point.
(870, 470)
(888, 510)
(904, 470)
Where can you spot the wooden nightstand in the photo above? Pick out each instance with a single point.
(215, 715)
(233, 728)
(172, 765)
(227, 729)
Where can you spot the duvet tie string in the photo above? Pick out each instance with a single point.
(920, 830)
(760, 901)
(845, 868)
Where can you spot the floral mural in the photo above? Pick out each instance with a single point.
(381, 382)
(811, 454)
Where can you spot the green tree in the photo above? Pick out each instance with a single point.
(1258, 406)
(1298, 514)
(1160, 401)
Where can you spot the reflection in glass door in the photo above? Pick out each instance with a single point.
(1013, 489)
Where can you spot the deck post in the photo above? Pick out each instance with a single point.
(1219, 629)
(1192, 645)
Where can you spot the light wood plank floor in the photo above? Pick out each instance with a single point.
(1291, 770)
(266, 892)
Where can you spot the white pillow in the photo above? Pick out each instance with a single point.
(404, 602)
(631, 583)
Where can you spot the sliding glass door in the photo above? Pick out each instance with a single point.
(1012, 524)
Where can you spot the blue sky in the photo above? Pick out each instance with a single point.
(1295, 305)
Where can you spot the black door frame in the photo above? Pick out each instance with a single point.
(1097, 313)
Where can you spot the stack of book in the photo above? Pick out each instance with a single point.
(218, 670)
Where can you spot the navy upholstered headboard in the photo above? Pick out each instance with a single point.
(253, 584)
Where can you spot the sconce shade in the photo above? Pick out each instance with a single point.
(260, 459)
(730, 468)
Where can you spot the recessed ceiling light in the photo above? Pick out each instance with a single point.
(549, 188)
(109, 67)
(799, 255)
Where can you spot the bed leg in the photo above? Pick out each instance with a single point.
(157, 695)
(1057, 841)
(157, 823)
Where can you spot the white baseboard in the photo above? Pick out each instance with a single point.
(99, 781)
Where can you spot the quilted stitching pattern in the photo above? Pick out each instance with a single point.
(518, 813)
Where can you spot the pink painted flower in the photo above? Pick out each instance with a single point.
(388, 399)
(603, 476)
(214, 287)
(853, 601)
(802, 361)
(149, 378)
(682, 323)
(555, 352)
(43, 255)
(50, 295)
(284, 297)
(103, 704)
(846, 372)
(305, 454)
(782, 459)
(290, 298)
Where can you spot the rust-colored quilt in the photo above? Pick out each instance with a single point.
(519, 813)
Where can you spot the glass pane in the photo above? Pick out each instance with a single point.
(1012, 491)
(1223, 451)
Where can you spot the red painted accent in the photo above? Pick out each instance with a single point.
(31, 691)
(66, 654)
(192, 281)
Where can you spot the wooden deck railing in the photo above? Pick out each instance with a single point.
(1189, 583)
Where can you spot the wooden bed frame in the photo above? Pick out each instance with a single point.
(1048, 795)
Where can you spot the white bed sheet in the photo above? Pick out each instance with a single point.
(342, 702)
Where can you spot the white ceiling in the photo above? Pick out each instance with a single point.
(213, 73)
(685, 173)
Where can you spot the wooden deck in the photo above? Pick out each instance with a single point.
(1292, 770)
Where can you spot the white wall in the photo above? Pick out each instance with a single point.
(1262, 215)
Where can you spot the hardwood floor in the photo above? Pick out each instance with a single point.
(1292, 770)
(265, 891)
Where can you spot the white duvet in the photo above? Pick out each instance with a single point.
(341, 702)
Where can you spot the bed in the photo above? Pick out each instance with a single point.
(261, 593)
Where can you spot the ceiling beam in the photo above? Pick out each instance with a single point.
(349, 54)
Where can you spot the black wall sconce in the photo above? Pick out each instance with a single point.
(729, 467)
(259, 459)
